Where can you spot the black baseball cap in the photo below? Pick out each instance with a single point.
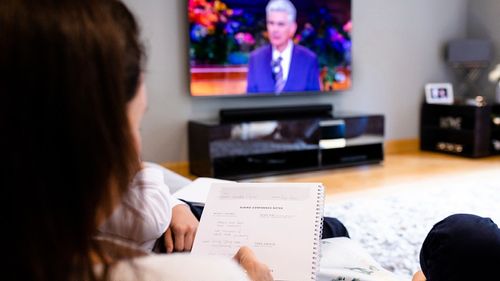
(462, 247)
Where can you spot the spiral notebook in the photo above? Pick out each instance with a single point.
(281, 222)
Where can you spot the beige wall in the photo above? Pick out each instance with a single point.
(484, 22)
(397, 48)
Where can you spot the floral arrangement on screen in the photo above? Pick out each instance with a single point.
(213, 24)
(331, 43)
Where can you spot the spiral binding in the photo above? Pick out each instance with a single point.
(318, 231)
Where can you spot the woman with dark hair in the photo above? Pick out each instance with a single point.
(72, 100)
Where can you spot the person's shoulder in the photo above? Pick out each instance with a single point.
(178, 267)
(261, 51)
(303, 51)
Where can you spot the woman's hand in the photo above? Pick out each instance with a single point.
(179, 236)
(255, 269)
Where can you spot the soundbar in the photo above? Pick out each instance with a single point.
(275, 113)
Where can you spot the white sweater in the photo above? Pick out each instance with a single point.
(149, 203)
(134, 263)
(178, 267)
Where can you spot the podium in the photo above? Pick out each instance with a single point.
(245, 149)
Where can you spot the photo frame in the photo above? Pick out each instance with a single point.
(439, 93)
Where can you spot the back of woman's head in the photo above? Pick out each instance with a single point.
(67, 70)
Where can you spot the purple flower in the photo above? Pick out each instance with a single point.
(334, 35)
(238, 12)
(231, 27)
(198, 32)
(244, 38)
(307, 31)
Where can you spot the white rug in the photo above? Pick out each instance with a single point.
(392, 222)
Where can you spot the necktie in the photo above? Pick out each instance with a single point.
(278, 75)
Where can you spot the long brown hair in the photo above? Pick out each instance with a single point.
(67, 70)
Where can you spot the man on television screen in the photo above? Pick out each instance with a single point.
(282, 66)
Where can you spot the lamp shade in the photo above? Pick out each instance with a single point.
(469, 51)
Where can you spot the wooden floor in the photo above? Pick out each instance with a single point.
(396, 168)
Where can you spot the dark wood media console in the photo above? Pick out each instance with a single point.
(464, 130)
(245, 149)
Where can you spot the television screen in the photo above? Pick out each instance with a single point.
(262, 47)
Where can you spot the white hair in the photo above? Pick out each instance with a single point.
(282, 6)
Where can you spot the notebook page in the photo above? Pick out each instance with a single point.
(278, 221)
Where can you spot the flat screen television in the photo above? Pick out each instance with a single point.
(262, 47)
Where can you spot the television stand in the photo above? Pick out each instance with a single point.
(245, 149)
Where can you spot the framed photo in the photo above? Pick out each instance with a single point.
(439, 93)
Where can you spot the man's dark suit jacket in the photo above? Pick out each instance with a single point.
(302, 76)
